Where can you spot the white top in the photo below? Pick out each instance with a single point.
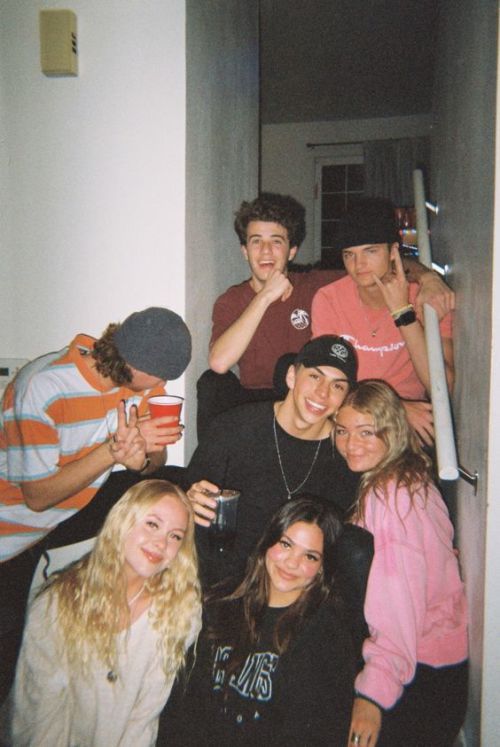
(58, 708)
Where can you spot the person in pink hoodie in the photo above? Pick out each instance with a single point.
(412, 689)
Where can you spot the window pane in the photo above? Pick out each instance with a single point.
(353, 198)
(332, 206)
(333, 178)
(355, 177)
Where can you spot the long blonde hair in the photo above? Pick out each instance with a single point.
(404, 462)
(91, 594)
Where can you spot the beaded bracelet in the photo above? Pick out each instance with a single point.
(396, 314)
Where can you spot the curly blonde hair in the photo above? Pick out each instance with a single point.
(91, 594)
(405, 461)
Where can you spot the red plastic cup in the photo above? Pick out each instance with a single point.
(165, 404)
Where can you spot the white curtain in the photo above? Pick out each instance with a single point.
(389, 166)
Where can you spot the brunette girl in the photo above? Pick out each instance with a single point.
(412, 688)
(274, 663)
(105, 638)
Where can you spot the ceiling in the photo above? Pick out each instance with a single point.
(346, 59)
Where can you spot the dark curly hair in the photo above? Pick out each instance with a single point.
(273, 208)
(108, 361)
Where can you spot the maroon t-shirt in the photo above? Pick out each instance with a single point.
(284, 328)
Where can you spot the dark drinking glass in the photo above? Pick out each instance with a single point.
(222, 531)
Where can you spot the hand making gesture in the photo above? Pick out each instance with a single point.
(394, 285)
(127, 446)
(277, 286)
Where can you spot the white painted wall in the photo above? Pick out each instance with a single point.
(222, 158)
(463, 185)
(93, 173)
(288, 165)
(94, 170)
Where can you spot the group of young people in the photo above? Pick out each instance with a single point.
(338, 616)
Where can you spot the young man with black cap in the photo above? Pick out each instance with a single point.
(374, 308)
(69, 419)
(271, 451)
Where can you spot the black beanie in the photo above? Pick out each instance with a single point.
(370, 220)
(155, 341)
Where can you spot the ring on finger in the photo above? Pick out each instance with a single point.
(356, 738)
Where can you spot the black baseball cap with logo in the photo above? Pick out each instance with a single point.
(330, 350)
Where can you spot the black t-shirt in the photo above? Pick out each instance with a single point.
(302, 698)
(244, 702)
(239, 452)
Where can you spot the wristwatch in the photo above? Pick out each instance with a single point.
(408, 317)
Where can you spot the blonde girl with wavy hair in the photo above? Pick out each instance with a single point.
(404, 458)
(106, 637)
(412, 687)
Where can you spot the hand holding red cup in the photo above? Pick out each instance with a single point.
(164, 405)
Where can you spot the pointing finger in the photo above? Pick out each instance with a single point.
(121, 415)
(398, 266)
(133, 417)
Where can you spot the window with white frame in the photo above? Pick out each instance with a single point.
(339, 182)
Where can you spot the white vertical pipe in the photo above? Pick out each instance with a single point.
(443, 426)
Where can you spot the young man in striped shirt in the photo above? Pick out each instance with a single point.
(70, 420)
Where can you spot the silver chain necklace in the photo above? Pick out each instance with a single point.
(306, 478)
(380, 318)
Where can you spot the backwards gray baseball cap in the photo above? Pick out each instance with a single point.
(155, 341)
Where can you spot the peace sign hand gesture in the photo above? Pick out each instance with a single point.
(127, 446)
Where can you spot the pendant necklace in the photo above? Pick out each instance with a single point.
(136, 596)
(373, 330)
(112, 676)
(306, 478)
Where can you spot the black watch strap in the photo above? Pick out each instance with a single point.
(405, 319)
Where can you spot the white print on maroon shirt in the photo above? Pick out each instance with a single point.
(299, 319)
(380, 350)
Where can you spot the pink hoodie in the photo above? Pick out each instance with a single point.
(415, 602)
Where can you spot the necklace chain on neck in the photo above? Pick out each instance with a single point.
(373, 330)
(306, 478)
(136, 596)
(112, 675)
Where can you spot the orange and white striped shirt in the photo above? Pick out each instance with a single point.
(53, 413)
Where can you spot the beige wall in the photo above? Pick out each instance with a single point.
(102, 210)
(222, 159)
(463, 180)
(95, 173)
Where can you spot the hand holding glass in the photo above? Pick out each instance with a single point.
(222, 530)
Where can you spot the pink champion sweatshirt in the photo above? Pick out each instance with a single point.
(415, 604)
